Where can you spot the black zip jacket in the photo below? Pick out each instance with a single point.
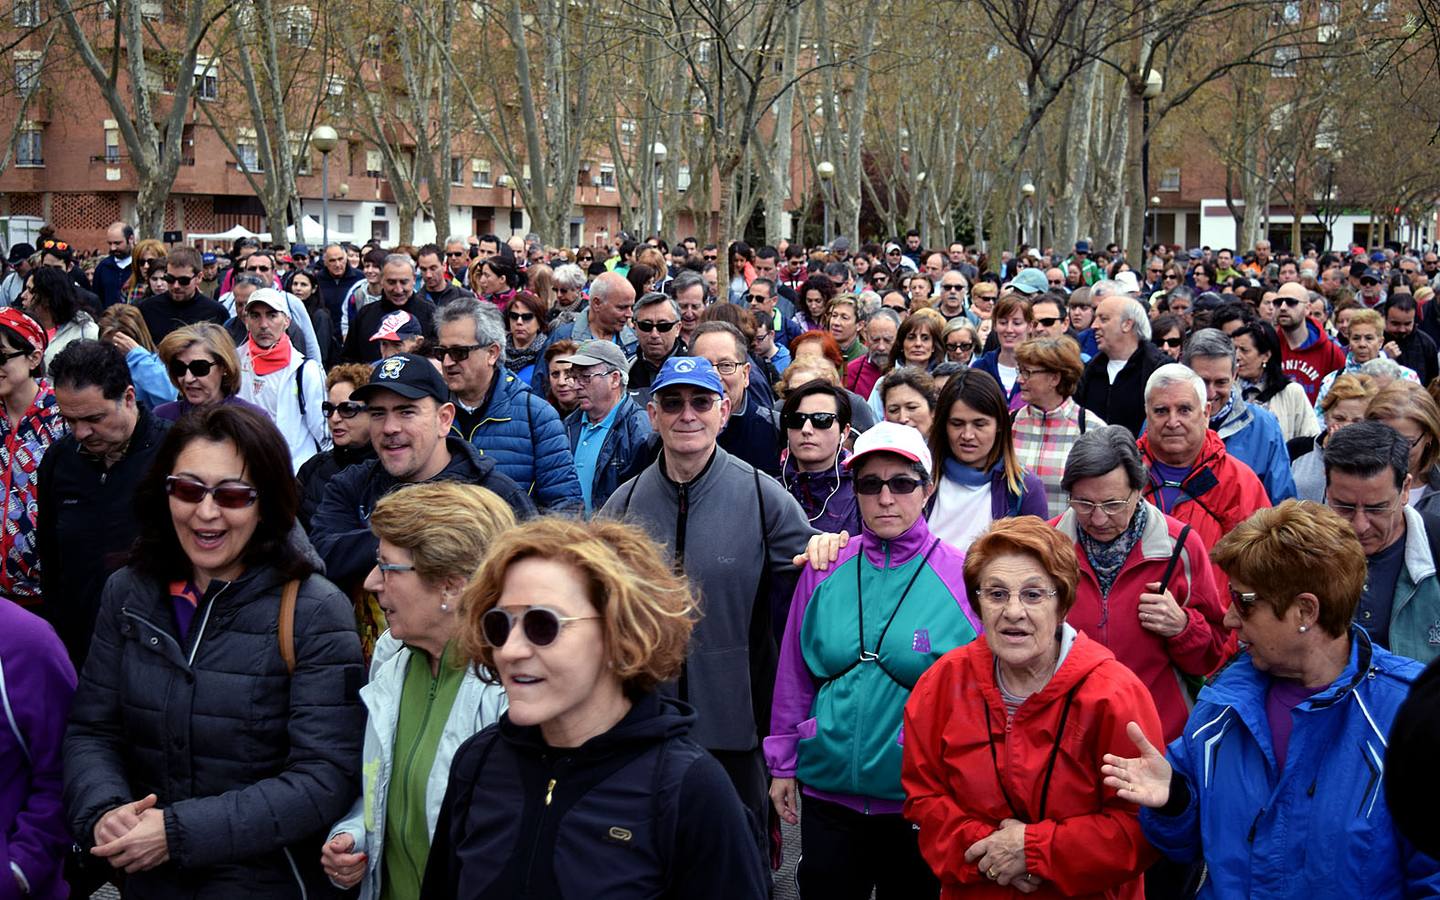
(640, 811)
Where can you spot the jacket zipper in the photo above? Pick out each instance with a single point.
(200, 635)
(404, 773)
(540, 824)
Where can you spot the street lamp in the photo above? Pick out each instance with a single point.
(1154, 221)
(1154, 84)
(658, 152)
(325, 140)
(826, 171)
(1028, 191)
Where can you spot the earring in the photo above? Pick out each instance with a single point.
(1304, 628)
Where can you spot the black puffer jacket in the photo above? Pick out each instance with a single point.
(640, 811)
(250, 765)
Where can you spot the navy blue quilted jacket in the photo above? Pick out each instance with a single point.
(523, 434)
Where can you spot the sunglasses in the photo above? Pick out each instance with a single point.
(348, 409)
(1172, 342)
(821, 420)
(898, 484)
(197, 367)
(585, 259)
(540, 625)
(54, 245)
(258, 268)
(1155, 271)
(960, 348)
(520, 316)
(1171, 276)
(1047, 321)
(947, 288)
(455, 254)
(1290, 301)
(711, 257)
(672, 404)
(648, 326)
(758, 298)
(458, 353)
(182, 280)
(227, 496)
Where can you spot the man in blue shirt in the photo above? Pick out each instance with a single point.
(609, 428)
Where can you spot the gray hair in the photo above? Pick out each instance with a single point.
(398, 259)
(884, 312)
(867, 302)
(489, 329)
(1209, 343)
(1383, 367)
(1174, 373)
(1132, 310)
(1101, 451)
(569, 276)
(655, 298)
(455, 239)
(687, 280)
(1106, 287)
(249, 278)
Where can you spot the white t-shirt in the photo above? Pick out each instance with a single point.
(1415, 495)
(1007, 375)
(1113, 367)
(960, 513)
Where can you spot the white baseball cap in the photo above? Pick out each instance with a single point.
(892, 437)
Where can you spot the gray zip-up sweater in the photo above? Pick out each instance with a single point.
(715, 521)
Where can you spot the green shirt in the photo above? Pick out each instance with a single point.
(425, 703)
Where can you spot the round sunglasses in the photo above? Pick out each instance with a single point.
(541, 625)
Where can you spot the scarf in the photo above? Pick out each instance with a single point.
(1219, 418)
(1107, 558)
(272, 360)
(969, 476)
(515, 360)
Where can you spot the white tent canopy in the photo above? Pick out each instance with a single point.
(314, 233)
(235, 233)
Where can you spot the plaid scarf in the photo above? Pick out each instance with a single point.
(1108, 558)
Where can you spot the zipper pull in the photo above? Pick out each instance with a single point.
(549, 791)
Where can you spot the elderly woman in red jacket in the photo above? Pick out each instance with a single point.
(1147, 589)
(1004, 737)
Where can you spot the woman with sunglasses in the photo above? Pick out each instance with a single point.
(895, 598)
(1270, 769)
(349, 424)
(816, 417)
(215, 735)
(527, 329)
(143, 256)
(204, 368)
(959, 339)
(580, 622)
(53, 303)
(422, 701)
(1168, 333)
(30, 422)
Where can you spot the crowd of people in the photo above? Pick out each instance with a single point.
(488, 569)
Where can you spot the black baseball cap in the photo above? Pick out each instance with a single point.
(408, 374)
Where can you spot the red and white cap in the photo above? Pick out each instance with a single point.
(892, 437)
(397, 326)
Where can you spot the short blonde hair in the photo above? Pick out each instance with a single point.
(1027, 536)
(1058, 355)
(1408, 400)
(645, 605)
(1294, 548)
(447, 526)
(1350, 386)
(1368, 317)
(214, 339)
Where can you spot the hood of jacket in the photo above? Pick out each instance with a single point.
(651, 719)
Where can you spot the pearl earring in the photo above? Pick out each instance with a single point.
(444, 604)
(1304, 628)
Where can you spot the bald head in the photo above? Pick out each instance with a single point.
(1294, 289)
(1292, 308)
(611, 298)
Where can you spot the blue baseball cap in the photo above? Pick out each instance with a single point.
(695, 371)
(1029, 281)
(299, 249)
(1377, 256)
(207, 258)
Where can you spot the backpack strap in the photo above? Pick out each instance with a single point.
(1174, 557)
(287, 624)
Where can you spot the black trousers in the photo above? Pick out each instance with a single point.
(845, 854)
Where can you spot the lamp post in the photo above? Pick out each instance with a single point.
(325, 139)
(1028, 191)
(1154, 84)
(658, 152)
(1154, 221)
(826, 171)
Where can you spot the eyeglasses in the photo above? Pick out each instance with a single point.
(1171, 342)
(1030, 596)
(711, 257)
(1057, 282)
(898, 484)
(727, 367)
(673, 404)
(54, 245)
(947, 288)
(892, 253)
(1347, 511)
(456, 254)
(1171, 276)
(197, 367)
(258, 268)
(1244, 603)
(458, 353)
(960, 347)
(1027, 374)
(1047, 322)
(985, 297)
(758, 298)
(182, 280)
(821, 420)
(520, 316)
(386, 568)
(584, 377)
(227, 496)
(1155, 271)
(1110, 508)
(585, 259)
(1291, 301)
(647, 326)
(540, 625)
(348, 409)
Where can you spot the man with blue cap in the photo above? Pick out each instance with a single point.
(733, 531)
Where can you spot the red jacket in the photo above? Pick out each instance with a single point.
(1089, 843)
(861, 375)
(1219, 493)
(1113, 621)
(1309, 366)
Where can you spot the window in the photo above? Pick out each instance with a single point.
(299, 25)
(1284, 65)
(345, 224)
(112, 141)
(152, 9)
(207, 79)
(481, 167)
(248, 155)
(27, 72)
(373, 163)
(380, 230)
(27, 13)
(300, 152)
(29, 147)
(1170, 180)
(457, 170)
(607, 176)
(682, 180)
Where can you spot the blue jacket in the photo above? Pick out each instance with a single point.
(1320, 827)
(109, 279)
(623, 441)
(524, 436)
(579, 332)
(147, 373)
(1252, 435)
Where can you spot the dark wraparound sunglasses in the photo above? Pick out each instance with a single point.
(348, 409)
(197, 367)
(520, 316)
(647, 326)
(458, 353)
(898, 484)
(540, 625)
(182, 280)
(227, 496)
(1047, 321)
(821, 420)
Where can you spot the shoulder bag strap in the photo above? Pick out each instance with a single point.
(1174, 557)
(287, 624)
